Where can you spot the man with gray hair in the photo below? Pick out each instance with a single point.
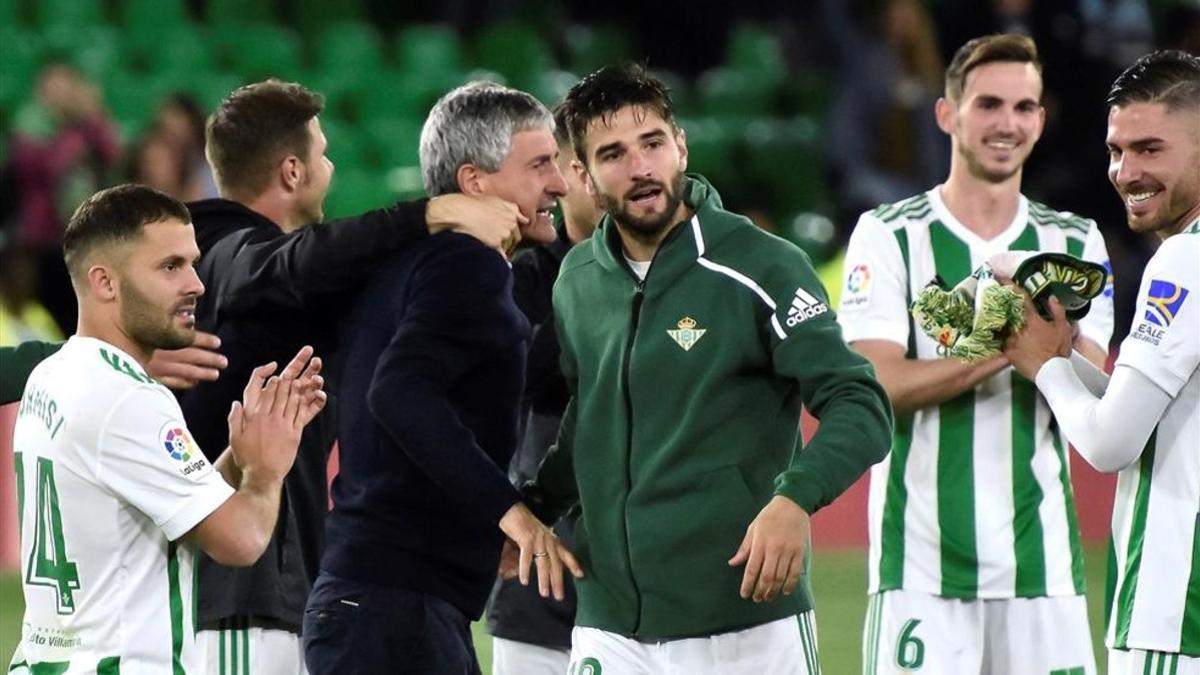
(434, 357)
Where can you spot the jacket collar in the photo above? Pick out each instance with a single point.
(687, 241)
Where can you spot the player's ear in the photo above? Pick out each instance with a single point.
(472, 180)
(944, 111)
(102, 282)
(291, 172)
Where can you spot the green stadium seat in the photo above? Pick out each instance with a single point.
(756, 49)
(94, 49)
(394, 142)
(342, 94)
(225, 12)
(147, 15)
(133, 98)
(551, 86)
(21, 53)
(181, 48)
(311, 17)
(53, 13)
(711, 147)
(682, 95)
(725, 91)
(10, 13)
(397, 94)
(429, 48)
(258, 51)
(350, 49)
(793, 143)
(514, 50)
(354, 191)
(208, 87)
(347, 148)
(591, 47)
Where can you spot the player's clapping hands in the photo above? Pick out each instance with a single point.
(265, 427)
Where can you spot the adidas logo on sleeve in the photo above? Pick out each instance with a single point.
(804, 307)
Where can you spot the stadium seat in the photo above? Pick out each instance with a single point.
(78, 13)
(209, 87)
(133, 98)
(725, 91)
(711, 147)
(429, 48)
(10, 13)
(258, 51)
(139, 16)
(342, 94)
(225, 12)
(792, 143)
(393, 142)
(94, 49)
(311, 17)
(403, 94)
(591, 47)
(551, 86)
(350, 49)
(347, 149)
(354, 191)
(20, 55)
(756, 49)
(514, 50)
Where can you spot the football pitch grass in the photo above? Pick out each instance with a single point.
(839, 583)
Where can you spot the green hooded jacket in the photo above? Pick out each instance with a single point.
(685, 418)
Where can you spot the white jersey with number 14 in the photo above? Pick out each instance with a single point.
(108, 480)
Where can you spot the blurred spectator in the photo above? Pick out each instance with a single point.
(155, 161)
(60, 150)
(884, 142)
(180, 120)
(22, 317)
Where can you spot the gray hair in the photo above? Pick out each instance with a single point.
(474, 124)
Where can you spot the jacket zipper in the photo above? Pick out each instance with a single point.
(633, 326)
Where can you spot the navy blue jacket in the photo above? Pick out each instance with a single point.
(434, 358)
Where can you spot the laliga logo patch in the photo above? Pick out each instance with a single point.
(687, 335)
(1164, 301)
(858, 287)
(859, 279)
(178, 444)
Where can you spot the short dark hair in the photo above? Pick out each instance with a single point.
(608, 90)
(1003, 48)
(114, 215)
(562, 132)
(254, 128)
(1170, 77)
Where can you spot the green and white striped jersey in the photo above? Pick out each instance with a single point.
(974, 500)
(108, 480)
(1154, 576)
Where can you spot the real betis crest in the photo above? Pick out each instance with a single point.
(687, 335)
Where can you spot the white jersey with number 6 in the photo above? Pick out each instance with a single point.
(1156, 517)
(108, 480)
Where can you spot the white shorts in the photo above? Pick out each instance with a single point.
(909, 631)
(784, 647)
(510, 657)
(250, 651)
(1140, 661)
